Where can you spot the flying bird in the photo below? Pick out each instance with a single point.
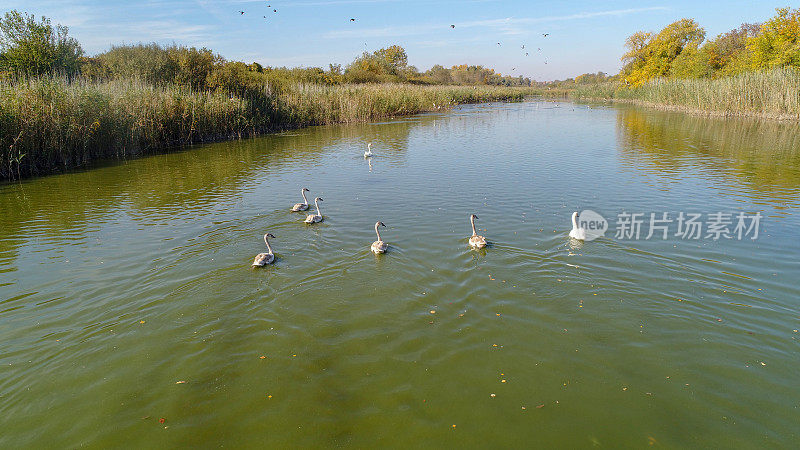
(241, 12)
(498, 43)
(526, 53)
(545, 34)
(523, 46)
(452, 26)
(274, 10)
(352, 20)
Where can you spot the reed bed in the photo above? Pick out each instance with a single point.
(50, 124)
(770, 94)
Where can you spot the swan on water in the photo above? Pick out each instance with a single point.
(314, 218)
(476, 241)
(301, 206)
(379, 246)
(368, 153)
(262, 259)
(577, 232)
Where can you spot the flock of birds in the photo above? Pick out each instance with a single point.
(476, 241)
(452, 26)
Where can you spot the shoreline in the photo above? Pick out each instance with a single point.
(55, 127)
(694, 111)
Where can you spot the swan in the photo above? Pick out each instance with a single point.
(475, 240)
(577, 232)
(379, 246)
(368, 153)
(314, 218)
(262, 259)
(301, 206)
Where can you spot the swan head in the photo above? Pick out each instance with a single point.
(306, 190)
(380, 224)
(318, 198)
(369, 146)
(269, 235)
(473, 216)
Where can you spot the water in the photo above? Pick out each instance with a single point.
(127, 296)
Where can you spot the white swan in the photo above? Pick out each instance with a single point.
(379, 246)
(262, 259)
(301, 206)
(368, 153)
(475, 241)
(577, 232)
(314, 218)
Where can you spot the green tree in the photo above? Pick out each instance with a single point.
(395, 56)
(439, 75)
(35, 48)
(146, 62)
(193, 66)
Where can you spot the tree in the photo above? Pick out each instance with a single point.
(439, 75)
(650, 56)
(28, 47)
(193, 66)
(395, 56)
(147, 62)
(778, 44)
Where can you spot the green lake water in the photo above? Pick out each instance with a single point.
(127, 296)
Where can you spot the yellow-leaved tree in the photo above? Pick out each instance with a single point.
(650, 56)
(778, 44)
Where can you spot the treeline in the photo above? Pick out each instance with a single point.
(681, 50)
(34, 48)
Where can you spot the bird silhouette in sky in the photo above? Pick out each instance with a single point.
(241, 12)
(452, 26)
(352, 20)
(545, 34)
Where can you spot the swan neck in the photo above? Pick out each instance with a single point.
(472, 221)
(574, 221)
(317, 206)
(377, 232)
(305, 200)
(269, 247)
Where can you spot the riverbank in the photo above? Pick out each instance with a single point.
(773, 94)
(51, 125)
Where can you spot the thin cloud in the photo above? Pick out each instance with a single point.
(506, 25)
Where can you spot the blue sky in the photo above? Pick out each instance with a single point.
(585, 35)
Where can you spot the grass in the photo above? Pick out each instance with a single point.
(770, 94)
(49, 124)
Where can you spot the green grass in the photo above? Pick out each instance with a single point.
(48, 125)
(774, 93)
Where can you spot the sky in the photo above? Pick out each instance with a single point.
(583, 35)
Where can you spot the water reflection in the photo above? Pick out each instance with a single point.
(760, 159)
